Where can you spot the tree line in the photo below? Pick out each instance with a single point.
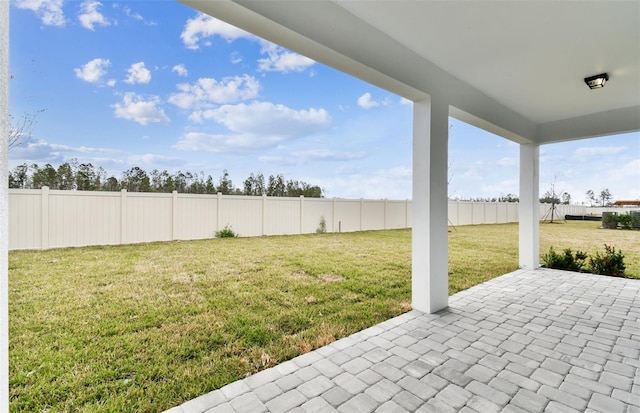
(73, 175)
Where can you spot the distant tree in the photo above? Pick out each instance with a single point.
(210, 188)
(135, 180)
(605, 197)
(66, 176)
(566, 198)
(19, 177)
(508, 198)
(111, 184)
(45, 176)
(277, 186)
(591, 197)
(254, 185)
(87, 178)
(225, 186)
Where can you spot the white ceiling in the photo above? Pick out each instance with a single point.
(513, 67)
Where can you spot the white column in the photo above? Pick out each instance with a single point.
(529, 208)
(429, 285)
(4, 207)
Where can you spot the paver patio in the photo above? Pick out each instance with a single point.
(529, 341)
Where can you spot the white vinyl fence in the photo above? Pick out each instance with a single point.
(43, 218)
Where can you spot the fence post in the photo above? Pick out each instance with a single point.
(301, 211)
(264, 214)
(218, 212)
(174, 214)
(44, 220)
(385, 214)
(123, 216)
(333, 215)
(406, 214)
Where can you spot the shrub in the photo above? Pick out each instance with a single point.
(566, 261)
(625, 221)
(226, 232)
(609, 263)
(322, 227)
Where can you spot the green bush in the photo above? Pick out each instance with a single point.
(609, 263)
(226, 232)
(625, 221)
(566, 261)
(322, 227)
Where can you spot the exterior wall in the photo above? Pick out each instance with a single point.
(619, 210)
(41, 219)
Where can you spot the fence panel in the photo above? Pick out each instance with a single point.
(243, 214)
(77, 219)
(396, 214)
(282, 216)
(147, 217)
(347, 215)
(372, 215)
(314, 210)
(195, 217)
(25, 219)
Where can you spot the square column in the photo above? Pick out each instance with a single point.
(429, 248)
(4, 206)
(529, 208)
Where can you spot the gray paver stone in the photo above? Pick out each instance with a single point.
(616, 380)
(327, 368)
(436, 406)
(350, 383)
(336, 396)
(563, 398)
(383, 390)
(361, 403)
(454, 396)
(481, 373)
(418, 388)
(480, 404)
(248, 402)
(370, 377)
(555, 407)
(549, 377)
(267, 392)
(407, 400)
(307, 373)
(488, 392)
(356, 365)
(417, 368)
(204, 402)
(529, 401)
(390, 407)
(606, 404)
(286, 401)
(316, 386)
(318, 405)
(288, 382)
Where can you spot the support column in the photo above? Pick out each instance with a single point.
(529, 208)
(430, 278)
(4, 207)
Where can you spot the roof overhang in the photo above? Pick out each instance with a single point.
(513, 68)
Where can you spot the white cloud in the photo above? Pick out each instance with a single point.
(507, 161)
(134, 107)
(269, 119)
(201, 27)
(279, 59)
(236, 58)
(93, 71)
(392, 183)
(366, 102)
(48, 11)
(585, 153)
(138, 74)
(89, 15)
(208, 91)
(181, 70)
(258, 126)
(218, 143)
(327, 155)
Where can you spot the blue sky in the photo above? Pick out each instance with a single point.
(157, 85)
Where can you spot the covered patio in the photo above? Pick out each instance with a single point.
(529, 341)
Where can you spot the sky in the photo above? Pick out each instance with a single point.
(158, 85)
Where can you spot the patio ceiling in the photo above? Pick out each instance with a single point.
(513, 68)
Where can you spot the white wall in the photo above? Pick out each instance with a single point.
(40, 219)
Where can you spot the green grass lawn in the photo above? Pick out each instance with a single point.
(142, 328)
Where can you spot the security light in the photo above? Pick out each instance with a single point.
(597, 81)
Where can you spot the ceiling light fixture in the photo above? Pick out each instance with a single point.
(597, 81)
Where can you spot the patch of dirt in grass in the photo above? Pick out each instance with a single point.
(331, 278)
(185, 278)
